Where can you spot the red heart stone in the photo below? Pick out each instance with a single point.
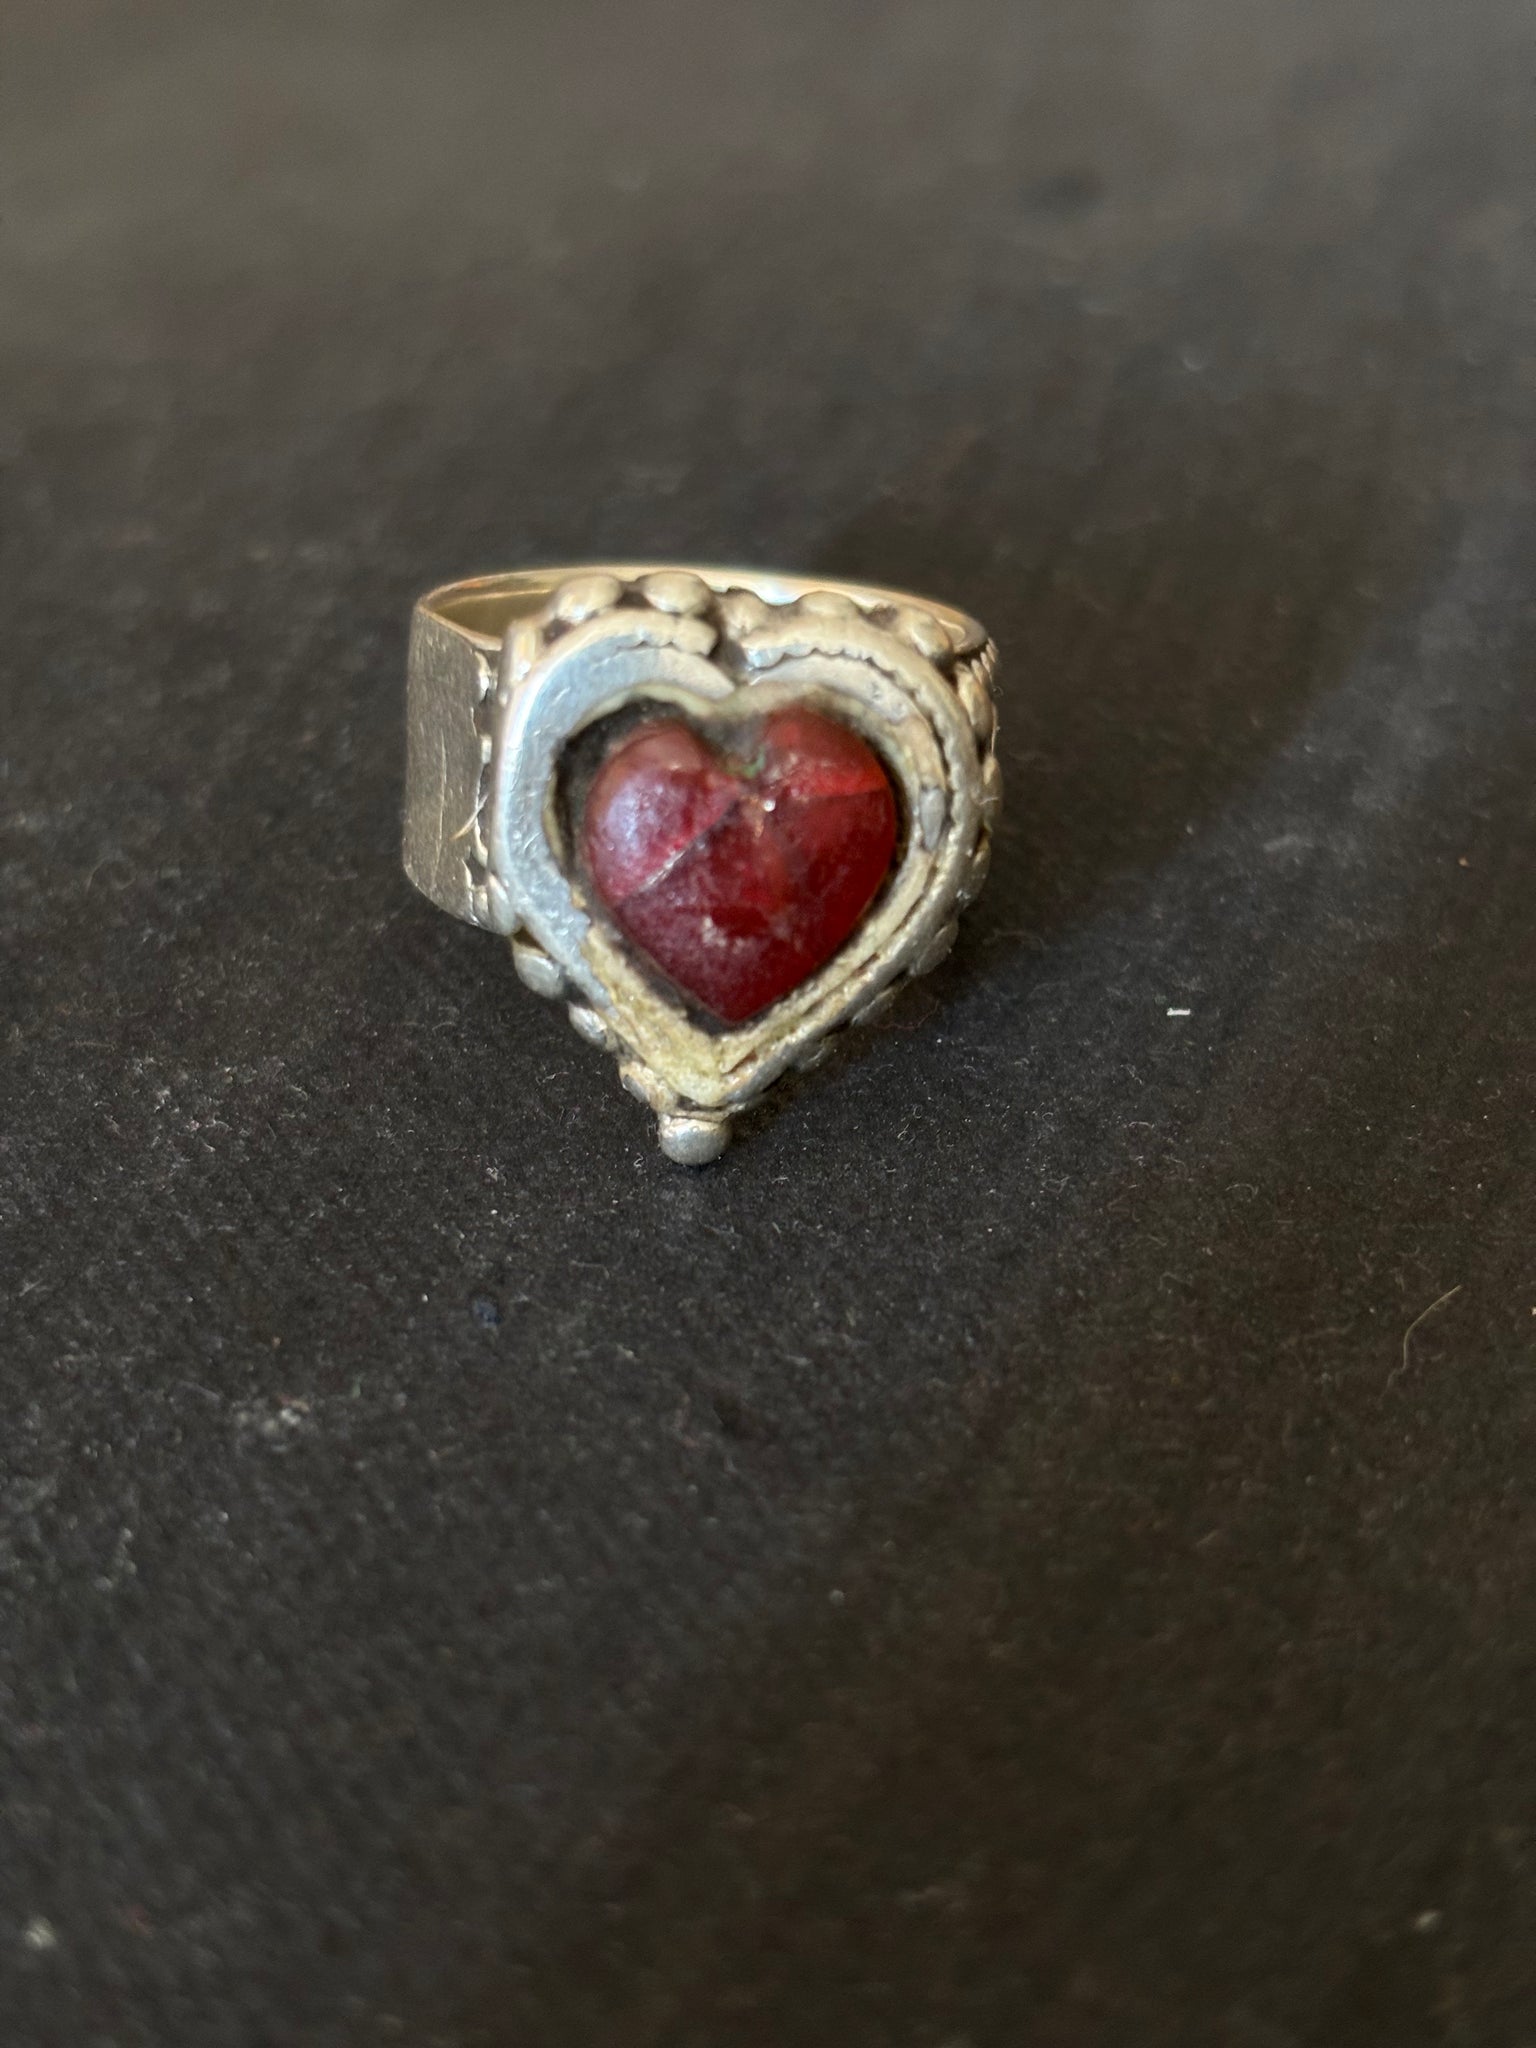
(739, 878)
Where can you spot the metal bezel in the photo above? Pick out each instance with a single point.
(720, 655)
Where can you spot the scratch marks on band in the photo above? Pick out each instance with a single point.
(442, 796)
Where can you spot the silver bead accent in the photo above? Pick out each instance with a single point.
(497, 914)
(828, 604)
(742, 611)
(922, 631)
(592, 1025)
(584, 597)
(675, 590)
(693, 1139)
(978, 704)
(535, 969)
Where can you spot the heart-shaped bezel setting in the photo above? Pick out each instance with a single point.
(673, 645)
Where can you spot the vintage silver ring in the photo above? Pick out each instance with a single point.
(721, 814)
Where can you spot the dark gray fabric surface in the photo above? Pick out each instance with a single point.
(988, 1563)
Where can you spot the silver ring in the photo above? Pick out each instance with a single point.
(721, 814)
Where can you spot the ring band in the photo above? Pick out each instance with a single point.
(721, 812)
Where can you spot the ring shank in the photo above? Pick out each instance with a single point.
(456, 636)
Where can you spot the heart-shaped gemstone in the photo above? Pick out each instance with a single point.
(739, 875)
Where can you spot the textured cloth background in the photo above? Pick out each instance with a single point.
(987, 1565)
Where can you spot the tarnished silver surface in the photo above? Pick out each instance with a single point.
(506, 671)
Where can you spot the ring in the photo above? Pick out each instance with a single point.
(721, 814)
